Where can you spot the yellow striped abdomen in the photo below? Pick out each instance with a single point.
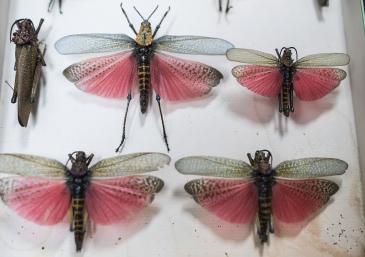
(144, 81)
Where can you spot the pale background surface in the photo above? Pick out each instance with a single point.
(229, 122)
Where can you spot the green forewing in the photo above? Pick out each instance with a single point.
(251, 56)
(323, 60)
(129, 164)
(311, 167)
(31, 165)
(213, 166)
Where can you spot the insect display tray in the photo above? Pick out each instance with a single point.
(230, 122)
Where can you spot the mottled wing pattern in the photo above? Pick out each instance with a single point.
(311, 167)
(213, 166)
(263, 80)
(177, 79)
(323, 60)
(110, 76)
(129, 164)
(297, 201)
(26, 66)
(193, 45)
(252, 56)
(93, 43)
(312, 84)
(31, 165)
(116, 200)
(42, 201)
(233, 200)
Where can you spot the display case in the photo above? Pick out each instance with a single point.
(230, 121)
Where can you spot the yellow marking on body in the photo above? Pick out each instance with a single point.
(144, 36)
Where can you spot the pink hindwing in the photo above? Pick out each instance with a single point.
(313, 83)
(116, 200)
(42, 201)
(297, 201)
(110, 76)
(263, 80)
(233, 200)
(178, 79)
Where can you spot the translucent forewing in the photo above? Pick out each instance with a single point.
(31, 165)
(193, 45)
(213, 166)
(323, 60)
(311, 167)
(129, 164)
(93, 43)
(252, 57)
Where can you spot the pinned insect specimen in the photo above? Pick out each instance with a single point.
(114, 76)
(228, 6)
(29, 54)
(51, 4)
(106, 193)
(289, 194)
(279, 76)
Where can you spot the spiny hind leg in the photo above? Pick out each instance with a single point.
(158, 99)
(119, 148)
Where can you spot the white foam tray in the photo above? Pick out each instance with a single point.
(230, 122)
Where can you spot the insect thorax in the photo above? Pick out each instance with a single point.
(144, 36)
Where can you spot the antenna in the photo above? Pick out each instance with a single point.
(152, 13)
(139, 13)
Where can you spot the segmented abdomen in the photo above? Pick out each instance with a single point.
(78, 209)
(144, 79)
(285, 91)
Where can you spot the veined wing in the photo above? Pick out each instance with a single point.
(213, 166)
(116, 200)
(295, 202)
(129, 164)
(178, 79)
(263, 80)
(193, 45)
(110, 76)
(252, 57)
(93, 43)
(43, 201)
(314, 83)
(311, 167)
(323, 60)
(31, 165)
(233, 200)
